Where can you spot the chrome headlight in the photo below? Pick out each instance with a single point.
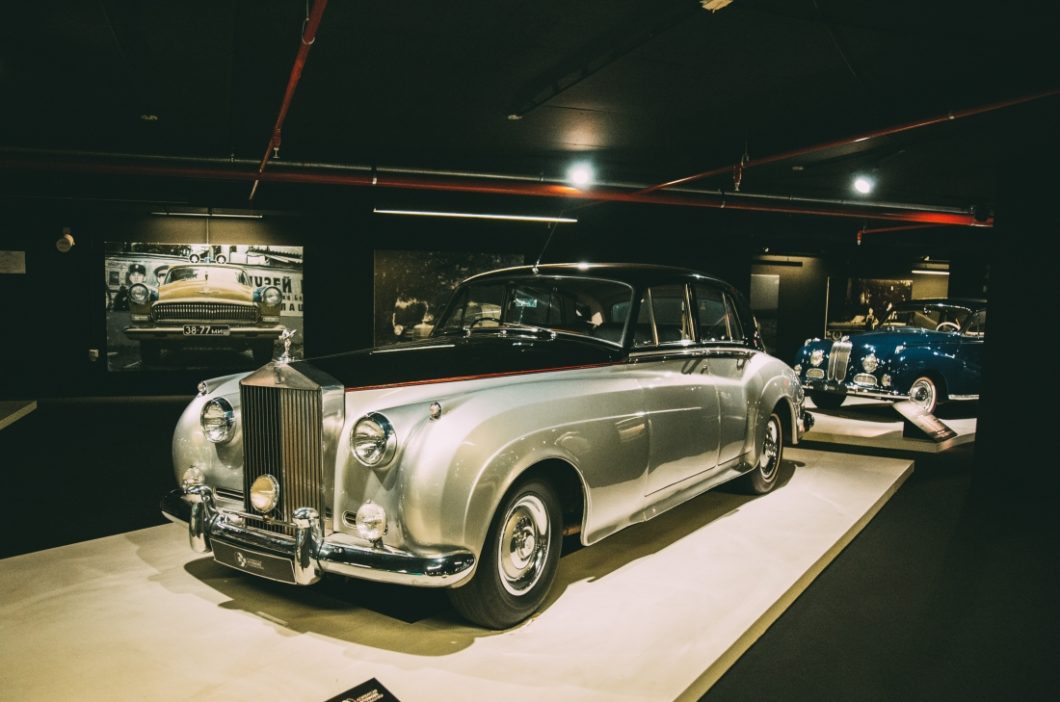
(265, 493)
(816, 357)
(271, 296)
(870, 363)
(217, 420)
(139, 294)
(373, 441)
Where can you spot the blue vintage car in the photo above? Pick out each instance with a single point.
(925, 351)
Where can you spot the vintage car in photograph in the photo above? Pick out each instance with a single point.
(204, 306)
(549, 401)
(925, 351)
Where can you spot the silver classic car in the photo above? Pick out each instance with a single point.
(549, 400)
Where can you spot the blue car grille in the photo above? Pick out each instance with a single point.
(204, 312)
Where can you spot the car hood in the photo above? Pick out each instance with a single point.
(200, 289)
(884, 343)
(459, 358)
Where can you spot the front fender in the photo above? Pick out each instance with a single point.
(915, 362)
(457, 471)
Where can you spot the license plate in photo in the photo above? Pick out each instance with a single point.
(206, 330)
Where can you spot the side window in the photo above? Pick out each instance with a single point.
(664, 317)
(716, 315)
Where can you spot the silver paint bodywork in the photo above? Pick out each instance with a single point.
(641, 435)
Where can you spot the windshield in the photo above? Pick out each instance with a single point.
(217, 275)
(586, 306)
(933, 317)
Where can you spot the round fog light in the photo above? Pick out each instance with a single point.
(265, 494)
(886, 380)
(371, 521)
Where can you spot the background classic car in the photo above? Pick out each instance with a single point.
(926, 351)
(549, 400)
(205, 306)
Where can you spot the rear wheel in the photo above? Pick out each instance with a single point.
(519, 560)
(763, 477)
(827, 400)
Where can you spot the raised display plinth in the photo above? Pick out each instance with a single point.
(656, 612)
(876, 424)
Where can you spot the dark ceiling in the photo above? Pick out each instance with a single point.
(648, 91)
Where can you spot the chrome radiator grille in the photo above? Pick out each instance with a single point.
(204, 312)
(838, 360)
(282, 436)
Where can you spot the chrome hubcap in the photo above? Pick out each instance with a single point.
(523, 547)
(769, 459)
(922, 394)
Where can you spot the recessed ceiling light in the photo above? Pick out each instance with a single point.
(581, 174)
(864, 184)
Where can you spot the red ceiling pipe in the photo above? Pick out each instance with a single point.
(494, 188)
(847, 141)
(882, 230)
(309, 35)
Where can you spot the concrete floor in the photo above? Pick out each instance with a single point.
(656, 612)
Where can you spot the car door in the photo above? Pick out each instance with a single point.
(681, 404)
(722, 337)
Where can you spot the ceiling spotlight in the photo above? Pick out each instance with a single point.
(864, 184)
(581, 175)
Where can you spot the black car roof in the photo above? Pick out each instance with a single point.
(635, 274)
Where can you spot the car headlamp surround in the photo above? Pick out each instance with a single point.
(139, 294)
(816, 357)
(217, 420)
(271, 296)
(870, 363)
(373, 441)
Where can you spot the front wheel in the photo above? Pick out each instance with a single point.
(924, 394)
(827, 400)
(519, 559)
(763, 477)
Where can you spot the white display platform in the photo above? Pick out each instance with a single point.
(656, 612)
(875, 424)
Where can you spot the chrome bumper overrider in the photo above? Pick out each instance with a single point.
(309, 553)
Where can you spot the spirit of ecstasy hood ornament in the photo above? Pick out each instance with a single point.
(286, 337)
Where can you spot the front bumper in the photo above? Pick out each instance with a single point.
(174, 332)
(805, 424)
(854, 390)
(304, 557)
